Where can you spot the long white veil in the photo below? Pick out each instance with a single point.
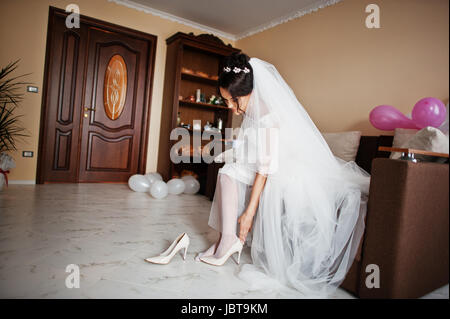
(311, 212)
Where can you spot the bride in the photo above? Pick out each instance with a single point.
(303, 207)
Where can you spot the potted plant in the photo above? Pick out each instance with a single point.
(10, 129)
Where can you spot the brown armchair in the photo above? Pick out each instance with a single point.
(407, 225)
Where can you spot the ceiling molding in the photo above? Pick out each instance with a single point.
(171, 17)
(319, 4)
(306, 10)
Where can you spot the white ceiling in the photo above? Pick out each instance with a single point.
(233, 19)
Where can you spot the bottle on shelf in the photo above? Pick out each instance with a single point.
(219, 123)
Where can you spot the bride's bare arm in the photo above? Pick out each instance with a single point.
(246, 219)
(258, 186)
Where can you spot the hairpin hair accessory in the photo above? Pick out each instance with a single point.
(236, 69)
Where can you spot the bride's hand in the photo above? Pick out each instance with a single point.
(246, 222)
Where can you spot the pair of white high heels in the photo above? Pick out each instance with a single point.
(182, 241)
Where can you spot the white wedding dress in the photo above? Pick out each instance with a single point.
(310, 217)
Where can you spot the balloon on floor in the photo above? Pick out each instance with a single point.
(186, 177)
(154, 184)
(192, 186)
(159, 189)
(176, 186)
(139, 183)
(153, 177)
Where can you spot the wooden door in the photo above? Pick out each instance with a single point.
(96, 102)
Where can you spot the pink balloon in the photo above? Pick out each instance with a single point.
(428, 111)
(388, 118)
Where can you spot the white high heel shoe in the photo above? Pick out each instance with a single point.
(235, 248)
(182, 241)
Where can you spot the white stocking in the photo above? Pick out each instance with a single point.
(228, 204)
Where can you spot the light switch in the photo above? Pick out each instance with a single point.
(27, 154)
(32, 89)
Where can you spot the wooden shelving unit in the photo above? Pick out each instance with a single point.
(201, 54)
(200, 104)
(195, 77)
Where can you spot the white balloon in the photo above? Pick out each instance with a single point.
(151, 178)
(157, 175)
(191, 186)
(185, 177)
(139, 183)
(176, 186)
(159, 189)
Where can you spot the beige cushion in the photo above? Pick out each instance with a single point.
(343, 144)
(429, 139)
(401, 135)
(444, 125)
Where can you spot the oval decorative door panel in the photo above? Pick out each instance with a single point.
(115, 87)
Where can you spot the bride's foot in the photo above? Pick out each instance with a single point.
(236, 247)
(209, 252)
(226, 241)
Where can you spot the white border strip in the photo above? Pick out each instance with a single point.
(319, 4)
(162, 14)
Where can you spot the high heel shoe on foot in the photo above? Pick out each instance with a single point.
(182, 241)
(235, 248)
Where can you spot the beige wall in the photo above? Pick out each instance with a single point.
(23, 32)
(340, 70)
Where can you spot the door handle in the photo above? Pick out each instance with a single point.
(89, 109)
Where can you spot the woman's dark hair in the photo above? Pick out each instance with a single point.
(237, 83)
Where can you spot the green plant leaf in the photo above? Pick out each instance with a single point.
(11, 87)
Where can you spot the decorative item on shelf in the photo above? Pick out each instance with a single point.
(219, 124)
(190, 98)
(216, 100)
(180, 97)
(202, 74)
(197, 126)
(178, 119)
(202, 98)
(187, 126)
(209, 127)
(186, 70)
(198, 96)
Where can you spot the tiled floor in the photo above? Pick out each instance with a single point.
(108, 230)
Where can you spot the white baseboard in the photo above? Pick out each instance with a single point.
(22, 182)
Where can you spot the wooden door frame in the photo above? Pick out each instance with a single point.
(53, 11)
